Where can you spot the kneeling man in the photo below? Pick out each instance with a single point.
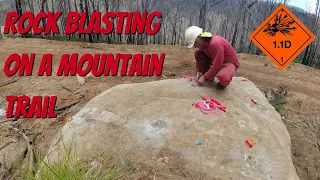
(215, 57)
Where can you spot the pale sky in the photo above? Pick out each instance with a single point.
(304, 4)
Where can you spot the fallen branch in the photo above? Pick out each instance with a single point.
(311, 126)
(68, 89)
(29, 147)
(67, 106)
(9, 82)
(8, 120)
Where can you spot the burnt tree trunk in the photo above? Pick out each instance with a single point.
(19, 11)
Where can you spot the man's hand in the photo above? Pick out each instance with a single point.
(201, 80)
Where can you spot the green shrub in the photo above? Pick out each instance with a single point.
(297, 61)
(68, 166)
(277, 98)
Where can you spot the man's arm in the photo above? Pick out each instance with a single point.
(217, 62)
(198, 75)
(198, 70)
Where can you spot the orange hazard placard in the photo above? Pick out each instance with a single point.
(282, 37)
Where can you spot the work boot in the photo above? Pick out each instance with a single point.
(220, 86)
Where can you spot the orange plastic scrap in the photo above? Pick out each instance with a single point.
(219, 104)
(251, 142)
(209, 106)
(68, 119)
(254, 101)
(195, 105)
(224, 109)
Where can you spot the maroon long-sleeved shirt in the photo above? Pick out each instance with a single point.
(221, 52)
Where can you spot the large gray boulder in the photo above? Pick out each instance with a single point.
(155, 126)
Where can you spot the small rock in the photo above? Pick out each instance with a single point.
(12, 156)
(32, 83)
(2, 112)
(160, 160)
(166, 159)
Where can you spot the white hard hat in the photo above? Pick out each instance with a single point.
(191, 35)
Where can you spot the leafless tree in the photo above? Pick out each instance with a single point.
(234, 20)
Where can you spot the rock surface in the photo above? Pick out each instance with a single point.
(11, 157)
(155, 126)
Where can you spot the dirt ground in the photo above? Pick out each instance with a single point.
(300, 113)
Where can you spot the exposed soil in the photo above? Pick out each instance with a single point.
(300, 113)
